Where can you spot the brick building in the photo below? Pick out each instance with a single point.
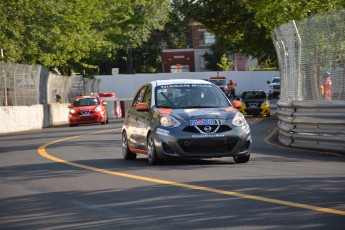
(190, 59)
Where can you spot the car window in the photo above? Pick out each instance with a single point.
(86, 102)
(253, 95)
(147, 96)
(218, 82)
(190, 96)
(140, 95)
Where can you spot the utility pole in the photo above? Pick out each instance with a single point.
(3, 73)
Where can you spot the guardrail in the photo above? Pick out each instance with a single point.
(312, 125)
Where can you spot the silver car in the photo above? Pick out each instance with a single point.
(184, 118)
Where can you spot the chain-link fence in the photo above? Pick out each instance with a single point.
(25, 85)
(310, 51)
(311, 55)
(19, 84)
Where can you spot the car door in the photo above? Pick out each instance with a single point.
(143, 119)
(133, 119)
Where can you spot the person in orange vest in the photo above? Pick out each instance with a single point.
(326, 87)
(232, 87)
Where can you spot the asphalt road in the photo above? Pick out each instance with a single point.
(75, 178)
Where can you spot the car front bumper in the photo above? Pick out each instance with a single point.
(174, 143)
(86, 119)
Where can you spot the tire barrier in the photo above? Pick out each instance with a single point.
(318, 125)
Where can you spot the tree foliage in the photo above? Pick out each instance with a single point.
(225, 64)
(76, 35)
(245, 25)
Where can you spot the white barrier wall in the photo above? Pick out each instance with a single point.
(22, 118)
(125, 85)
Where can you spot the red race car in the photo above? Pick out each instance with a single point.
(88, 109)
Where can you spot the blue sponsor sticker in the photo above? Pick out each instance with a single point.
(204, 122)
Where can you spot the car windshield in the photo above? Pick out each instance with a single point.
(85, 102)
(253, 95)
(276, 80)
(218, 82)
(190, 96)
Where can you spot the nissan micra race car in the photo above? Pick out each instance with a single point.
(184, 118)
(88, 109)
(255, 102)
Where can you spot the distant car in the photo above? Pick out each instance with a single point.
(255, 102)
(274, 87)
(220, 81)
(184, 118)
(88, 109)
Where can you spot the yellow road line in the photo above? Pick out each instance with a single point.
(44, 153)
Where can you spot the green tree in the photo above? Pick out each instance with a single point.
(76, 36)
(225, 64)
(245, 25)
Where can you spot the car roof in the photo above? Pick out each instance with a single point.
(180, 81)
(254, 90)
(87, 96)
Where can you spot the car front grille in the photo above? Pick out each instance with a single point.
(201, 129)
(253, 104)
(207, 145)
(85, 112)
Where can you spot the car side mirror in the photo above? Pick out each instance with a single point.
(236, 104)
(142, 107)
(268, 82)
(69, 106)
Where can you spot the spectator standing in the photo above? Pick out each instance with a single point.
(326, 87)
(232, 87)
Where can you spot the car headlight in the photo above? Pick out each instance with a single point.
(98, 109)
(266, 103)
(239, 119)
(72, 111)
(168, 121)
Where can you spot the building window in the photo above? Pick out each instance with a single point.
(206, 38)
(202, 62)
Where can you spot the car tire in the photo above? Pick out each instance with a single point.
(151, 151)
(243, 159)
(105, 120)
(127, 154)
(268, 114)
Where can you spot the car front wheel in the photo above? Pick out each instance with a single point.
(127, 154)
(151, 151)
(243, 159)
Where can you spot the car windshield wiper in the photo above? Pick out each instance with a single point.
(196, 106)
(164, 106)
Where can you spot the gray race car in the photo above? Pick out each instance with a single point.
(184, 118)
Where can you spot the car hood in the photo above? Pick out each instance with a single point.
(253, 100)
(82, 108)
(201, 113)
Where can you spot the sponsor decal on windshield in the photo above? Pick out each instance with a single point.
(184, 86)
